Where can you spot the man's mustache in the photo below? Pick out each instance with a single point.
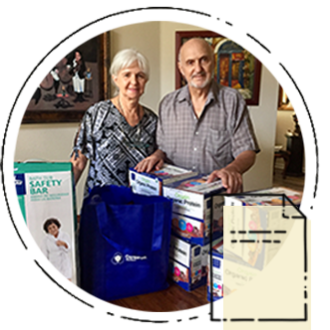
(203, 74)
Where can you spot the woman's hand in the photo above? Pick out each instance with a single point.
(61, 243)
(79, 162)
(155, 161)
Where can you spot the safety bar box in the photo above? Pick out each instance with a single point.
(46, 196)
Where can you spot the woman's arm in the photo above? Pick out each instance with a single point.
(79, 162)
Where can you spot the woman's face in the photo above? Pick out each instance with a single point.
(53, 229)
(131, 81)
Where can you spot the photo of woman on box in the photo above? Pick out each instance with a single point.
(56, 247)
(116, 134)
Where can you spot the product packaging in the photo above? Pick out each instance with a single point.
(259, 229)
(152, 183)
(194, 202)
(188, 263)
(216, 272)
(46, 197)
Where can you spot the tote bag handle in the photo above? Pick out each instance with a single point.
(157, 232)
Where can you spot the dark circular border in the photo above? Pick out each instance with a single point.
(48, 54)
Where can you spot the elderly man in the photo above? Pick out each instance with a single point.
(203, 126)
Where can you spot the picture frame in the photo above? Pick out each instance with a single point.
(234, 66)
(283, 100)
(59, 98)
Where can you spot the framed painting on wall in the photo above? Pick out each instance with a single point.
(77, 81)
(234, 66)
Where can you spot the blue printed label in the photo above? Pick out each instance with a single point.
(197, 251)
(216, 263)
(20, 184)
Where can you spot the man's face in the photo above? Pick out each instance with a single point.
(196, 63)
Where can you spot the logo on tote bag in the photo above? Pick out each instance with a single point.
(118, 258)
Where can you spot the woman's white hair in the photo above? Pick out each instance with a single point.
(126, 58)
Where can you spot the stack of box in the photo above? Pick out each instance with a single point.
(188, 263)
(46, 197)
(215, 282)
(194, 201)
(263, 223)
(193, 204)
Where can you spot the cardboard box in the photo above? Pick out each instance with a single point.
(46, 197)
(259, 197)
(188, 263)
(193, 200)
(237, 274)
(152, 183)
(217, 272)
(263, 224)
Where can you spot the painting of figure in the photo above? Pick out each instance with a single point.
(71, 86)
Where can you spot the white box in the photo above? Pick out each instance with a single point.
(152, 183)
(217, 272)
(46, 191)
(187, 263)
(193, 200)
(257, 231)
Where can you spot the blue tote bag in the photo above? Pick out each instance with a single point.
(124, 243)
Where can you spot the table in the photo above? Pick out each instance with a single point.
(174, 298)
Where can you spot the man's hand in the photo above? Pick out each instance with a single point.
(154, 161)
(231, 175)
(231, 179)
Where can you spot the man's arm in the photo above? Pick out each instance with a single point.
(231, 175)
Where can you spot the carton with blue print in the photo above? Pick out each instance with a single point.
(188, 263)
(152, 183)
(262, 219)
(194, 202)
(215, 272)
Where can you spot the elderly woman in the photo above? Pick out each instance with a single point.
(116, 134)
(56, 247)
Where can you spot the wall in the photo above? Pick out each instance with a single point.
(134, 36)
(54, 141)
